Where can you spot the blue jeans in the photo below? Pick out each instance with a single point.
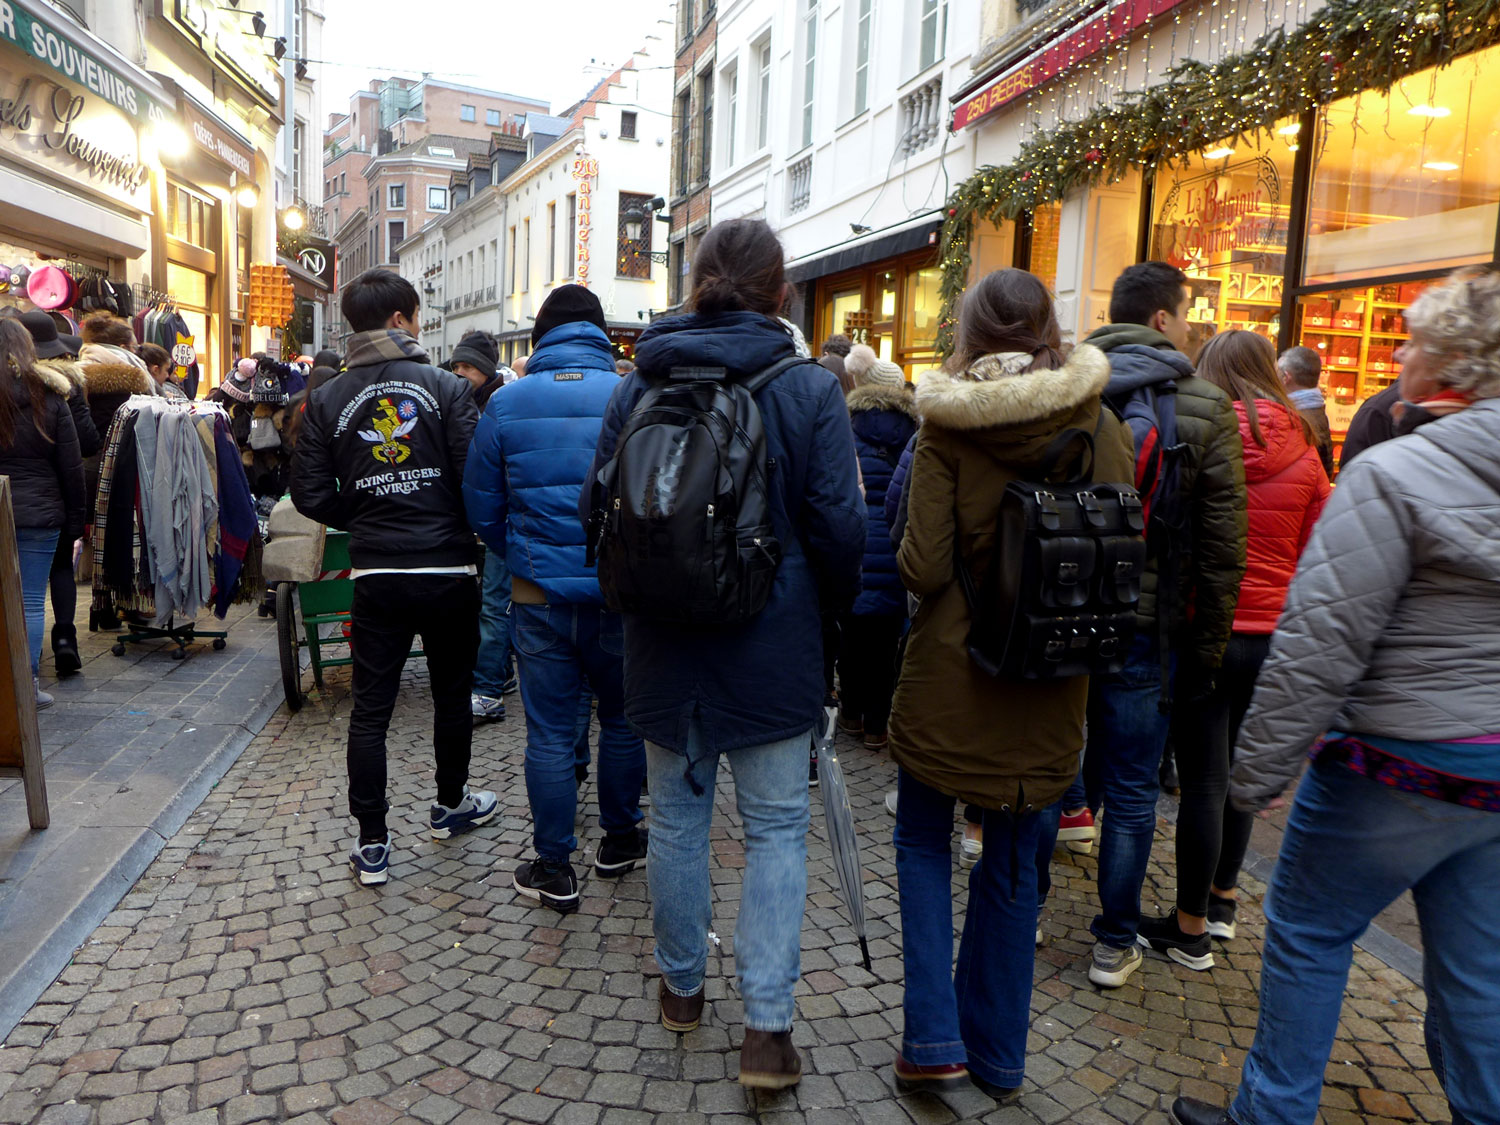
(558, 646)
(770, 791)
(36, 546)
(581, 737)
(1352, 847)
(493, 667)
(1127, 735)
(978, 1014)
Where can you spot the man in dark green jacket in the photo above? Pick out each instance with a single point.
(1188, 597)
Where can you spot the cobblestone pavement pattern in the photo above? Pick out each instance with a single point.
(246, 977)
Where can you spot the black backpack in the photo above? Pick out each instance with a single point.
(1059, 598)
(681, 523)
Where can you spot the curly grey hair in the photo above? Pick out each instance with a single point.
(1459, 321)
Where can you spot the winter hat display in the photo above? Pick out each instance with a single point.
(4, 279)
(241, 381)
(49, 288)
(565, 305)
(866, 368)
(267, 386)
(44, 335)
(478, 350)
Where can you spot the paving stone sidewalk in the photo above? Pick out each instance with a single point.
(246, 977)
(131, 747)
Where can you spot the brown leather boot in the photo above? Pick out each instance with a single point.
(768, 1061)
(680, 1013)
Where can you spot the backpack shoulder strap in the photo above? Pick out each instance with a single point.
(755, 382)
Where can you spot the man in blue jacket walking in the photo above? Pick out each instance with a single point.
(527, 465)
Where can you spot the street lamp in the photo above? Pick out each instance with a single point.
(293, 219)
(637, 219)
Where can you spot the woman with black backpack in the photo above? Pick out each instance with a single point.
(751, 691)
(1009, 746)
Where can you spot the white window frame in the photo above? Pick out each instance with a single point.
(762, 51)
(467, 114)
(443, 205)
(391, 197)
(489, 113)
(864, 38)
(809, 33)
(731, 80)
(931, 14)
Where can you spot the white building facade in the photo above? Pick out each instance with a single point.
(830, 124)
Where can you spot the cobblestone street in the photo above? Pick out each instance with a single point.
(247, 977)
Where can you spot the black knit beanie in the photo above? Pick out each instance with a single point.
(564, 305)
(479, 350)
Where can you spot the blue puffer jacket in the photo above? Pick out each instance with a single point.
(896, 496)
(531, 455)
(884, 419)
(761, 681)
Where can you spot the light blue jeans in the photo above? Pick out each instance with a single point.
(770, 788)
(36, 546)
(1352, 846)
(494, 666)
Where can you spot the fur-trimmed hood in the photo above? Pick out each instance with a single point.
(996, 391)
(62, 376)
(879, 396)
(115, 378)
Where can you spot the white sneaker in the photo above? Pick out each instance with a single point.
(486, 709)
(43, 700)
(890, 802)
(1111, 967)
(970, 853)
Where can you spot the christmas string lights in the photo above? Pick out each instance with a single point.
(1350, 46)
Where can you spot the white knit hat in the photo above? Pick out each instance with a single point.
(865, 368)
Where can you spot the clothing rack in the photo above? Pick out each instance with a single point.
(148, 298)
(194, 551)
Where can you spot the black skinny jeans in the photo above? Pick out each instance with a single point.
(389, 610)
(64, 585)
(1212, 835)
(867, 667)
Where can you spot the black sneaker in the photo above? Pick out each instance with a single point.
(812, 769)
(620, 853)
(1221, 917)
(1190, 1111)
(1196, 951)
(550, 882)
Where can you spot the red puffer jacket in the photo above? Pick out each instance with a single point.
(1287, 489)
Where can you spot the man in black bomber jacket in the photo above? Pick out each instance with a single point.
(381, 455)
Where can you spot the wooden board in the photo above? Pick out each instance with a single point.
(20, 741)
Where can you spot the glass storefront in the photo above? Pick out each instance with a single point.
(892, 306)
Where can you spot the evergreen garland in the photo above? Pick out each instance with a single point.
(1348, 46)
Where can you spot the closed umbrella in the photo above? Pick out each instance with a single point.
(842, 840)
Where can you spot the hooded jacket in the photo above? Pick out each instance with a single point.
(1392, 624)
(1210, 564)
(42, 460)
(1286, 489)
(110, 380)
(997, 743)
(529, 461)
(761, 681)
(381, 455)
(89, 441)
(884, 419)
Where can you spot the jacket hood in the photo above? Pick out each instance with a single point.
(579, 345)
(1282, 432)
(964, 403)
(879, 396)
(742, 342)
(1108, 337)
(1471, 435)
(115, 379)
(60, 375)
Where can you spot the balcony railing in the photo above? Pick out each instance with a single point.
(799, 185)
(921, 117)
(489, 293)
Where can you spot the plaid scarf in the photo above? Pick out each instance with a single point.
(382, 346)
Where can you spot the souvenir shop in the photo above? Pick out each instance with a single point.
(1318, 229)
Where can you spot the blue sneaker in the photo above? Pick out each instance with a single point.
(475, 809)
(372, 862)
(486, 708)
(512, 685)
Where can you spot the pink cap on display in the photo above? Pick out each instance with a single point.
(48, 287)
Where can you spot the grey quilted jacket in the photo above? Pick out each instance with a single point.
(1392, 623)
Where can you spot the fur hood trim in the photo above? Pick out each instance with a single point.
(60, 375)
(880, 396)
(990, 397)
(116, 378)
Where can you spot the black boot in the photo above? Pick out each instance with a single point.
(106, 619)
(1168, 774)
(1190, 1111)
(65, 656)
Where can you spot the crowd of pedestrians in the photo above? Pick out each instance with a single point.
(1276, 618)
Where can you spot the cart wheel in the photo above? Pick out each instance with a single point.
(218, 644)
(179, 653)
(118, 648)
(286, 642)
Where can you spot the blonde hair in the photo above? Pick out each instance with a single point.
(1459, 322)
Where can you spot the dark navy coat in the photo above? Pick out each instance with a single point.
(884, 418)
(761, 681)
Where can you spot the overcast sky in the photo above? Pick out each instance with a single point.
(536, 48)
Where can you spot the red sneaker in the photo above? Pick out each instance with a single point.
(1078, 831)
(947, 1076)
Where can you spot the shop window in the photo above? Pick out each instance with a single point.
(1408, 180)
(922, 308)
(1046, 234)
(844, 313)
(633, 256)
(1222, 218)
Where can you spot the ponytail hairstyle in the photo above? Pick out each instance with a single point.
(1008, 310)
(1243, 365)
(739, 266)
(18, 362)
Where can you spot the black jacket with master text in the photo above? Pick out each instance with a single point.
(381, 455)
